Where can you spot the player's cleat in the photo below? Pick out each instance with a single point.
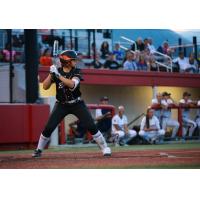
(106, 151)
(37, 153)
(100, 140)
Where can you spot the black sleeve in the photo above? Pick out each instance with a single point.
(77, 73)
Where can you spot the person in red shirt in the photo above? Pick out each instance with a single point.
(46, 59)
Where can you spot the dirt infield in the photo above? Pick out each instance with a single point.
(157, 158)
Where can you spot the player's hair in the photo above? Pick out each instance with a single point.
(147, 117)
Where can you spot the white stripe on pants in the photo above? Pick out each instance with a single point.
(188, 123)
(152, 134)
(167, 122)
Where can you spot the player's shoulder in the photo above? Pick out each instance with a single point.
(154, 100)
(182, 101)
(78, 73)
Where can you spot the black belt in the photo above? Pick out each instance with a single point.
(71, 102)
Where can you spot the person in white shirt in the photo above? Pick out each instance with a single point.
(167, 121)
(151, 47)
(185, 64)
(130, 63)
(198, 117)
(120, 130)
(150, 128)
(187, 122)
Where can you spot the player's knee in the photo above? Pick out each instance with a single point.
(121, 134)
(92, 128)
(132, 133)
(141, 133)
(161, 132)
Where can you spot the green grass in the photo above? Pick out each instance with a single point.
(187, 145)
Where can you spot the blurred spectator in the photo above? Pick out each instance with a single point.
(165, 49)
(139, 44)
(142, 64)
(96, 64)
(80, 64)
(167, 120)
(150, 128)
(104, 50)
(103, 118)
(184, 63)
(117, 52)
(110, 62)
(193, 65)
(151, 47)
(46, 59)
(146, 43)
(6, 54)
(130, 63)
(152, 64)
(186, 102)
(120, 130)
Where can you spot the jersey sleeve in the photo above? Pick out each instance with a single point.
(154, 101)
(78, 74)
(182, 101)
(164, 103)
(98, 113)
(169, 101)
(114, 120)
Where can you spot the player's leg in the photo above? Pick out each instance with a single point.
(131, 134)
(81, 111)
(192, 126)
(175, 126)
(55, 118)
(185, 127)
(117, 137)
(144, 135)
(161, 135)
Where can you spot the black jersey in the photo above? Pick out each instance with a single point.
(63, 92)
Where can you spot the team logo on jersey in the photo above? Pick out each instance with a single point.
(60, 85)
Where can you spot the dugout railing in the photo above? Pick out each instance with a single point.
(179, 109)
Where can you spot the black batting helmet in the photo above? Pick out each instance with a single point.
(67, 56)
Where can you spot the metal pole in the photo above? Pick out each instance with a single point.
(31, 65)
(179, 43)
(11, 67)
(76, 41)
(89, 48)
(63, 41)
(195, 46)
(94, 42)
(71, 41)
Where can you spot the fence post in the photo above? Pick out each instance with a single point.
(195, 46)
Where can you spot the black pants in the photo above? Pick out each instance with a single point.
(78, 109)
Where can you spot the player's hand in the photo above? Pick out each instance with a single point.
(54, 70)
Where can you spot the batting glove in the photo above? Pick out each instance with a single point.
(54, 70)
